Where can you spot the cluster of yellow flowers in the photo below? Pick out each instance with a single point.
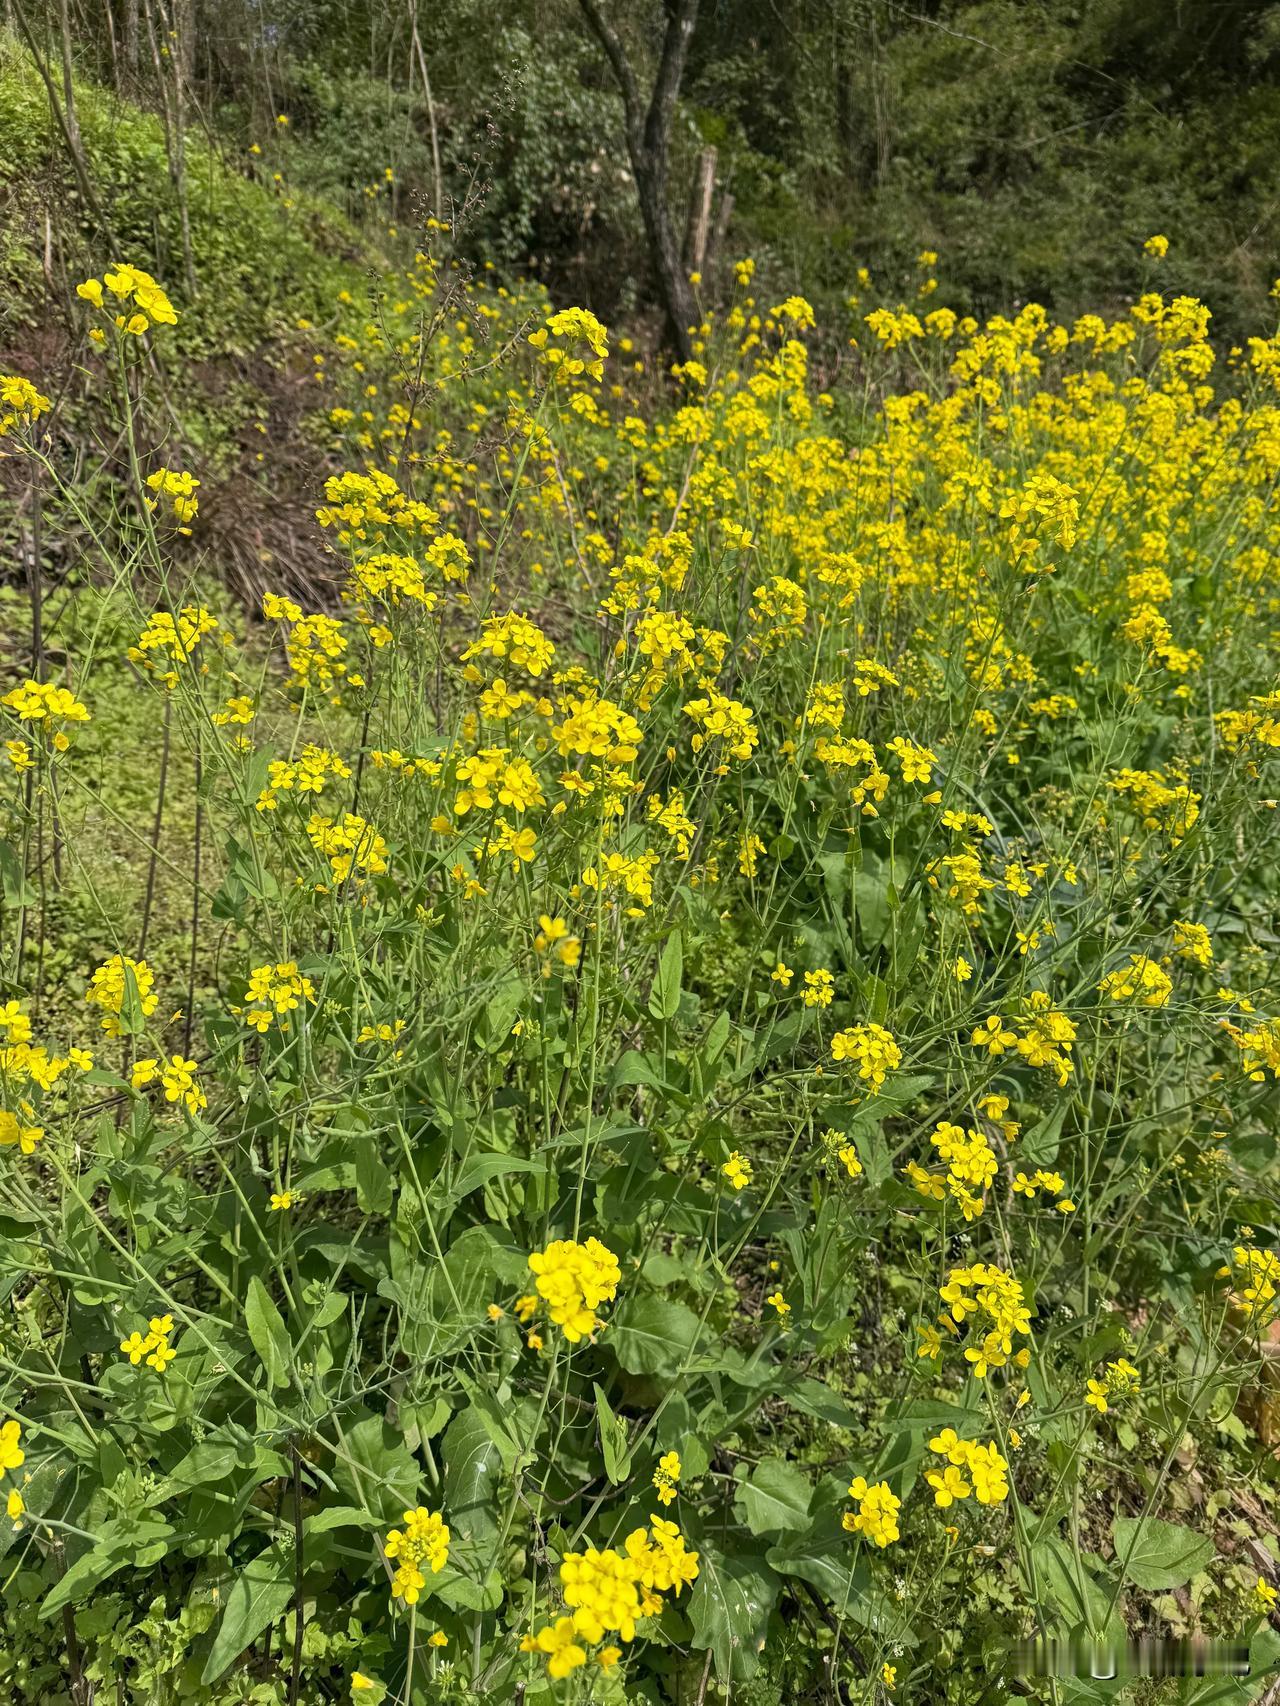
(25, 1062)
(171, 637)
(1142, 982)
(179, 491)
(45, 705)
(12, 1457)
(16, 1133)
(177, 1078)
(1257, 1275)
(573, 1280)
(316, 646)
(1046, 1040)
(515, 639)
(1120, 1379)
(995, 1300)
(983, 1464)
(737, 1170)
(877, 1512)
(121, 979)
(351, 845)
(363, 507)
(134, 290)
(272, 993)
(309, 773)
(554, 941)
(608, 1592)
(424, 1539)
(562, 332)
(869, 1048)
(666, 1477)
(21, 405)
(153, 1346)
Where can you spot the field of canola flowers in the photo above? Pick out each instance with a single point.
(702, 1121)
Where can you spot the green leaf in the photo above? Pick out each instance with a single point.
(636, 1068)
(496, 1418)
(1069, 1587)
(337, 1516)
(775, 1500)
(493, 1164)
(373, 1176)
(729, 1610)
(376, 1469)
(494, 1032)
(441, 1304)
(1157, 1555)
(210, 1462)
(483, 1592)
(664, 997)
(653, 1335)
(16, 889)
(613, 1441)
(131, 1018)
(931, 1414)
(267, 1332)
(472, 1463)
(259, 1593)
(815, 1398)
(116, 1544)
(824, 1557)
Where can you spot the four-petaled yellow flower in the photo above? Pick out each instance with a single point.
(737, 1170)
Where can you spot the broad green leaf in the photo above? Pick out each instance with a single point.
(337, 1516)
(17, 891)
(824, 1556)
(493, 1164)
(259, 1593)
(664, 997)
(121, 1541)
(373, 1176)
(775, 1499)
(653, 1335)
(472, 1463)
(500, 1011)
(496, 1418)
(1157, 1555)
(729, 1610)
(817, 1399)
(1066, 1585)
(441, 1304)
(466, 1593)
(267, 1333)
(376, 1470)
(212, 1461)
(636, 1068)
(613, 1441)
(931, 1414)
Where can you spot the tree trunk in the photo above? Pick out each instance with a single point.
(648, 130)
(698, 232)
(723, 216)
(664, 252)
(133, 62)
(437, 177)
